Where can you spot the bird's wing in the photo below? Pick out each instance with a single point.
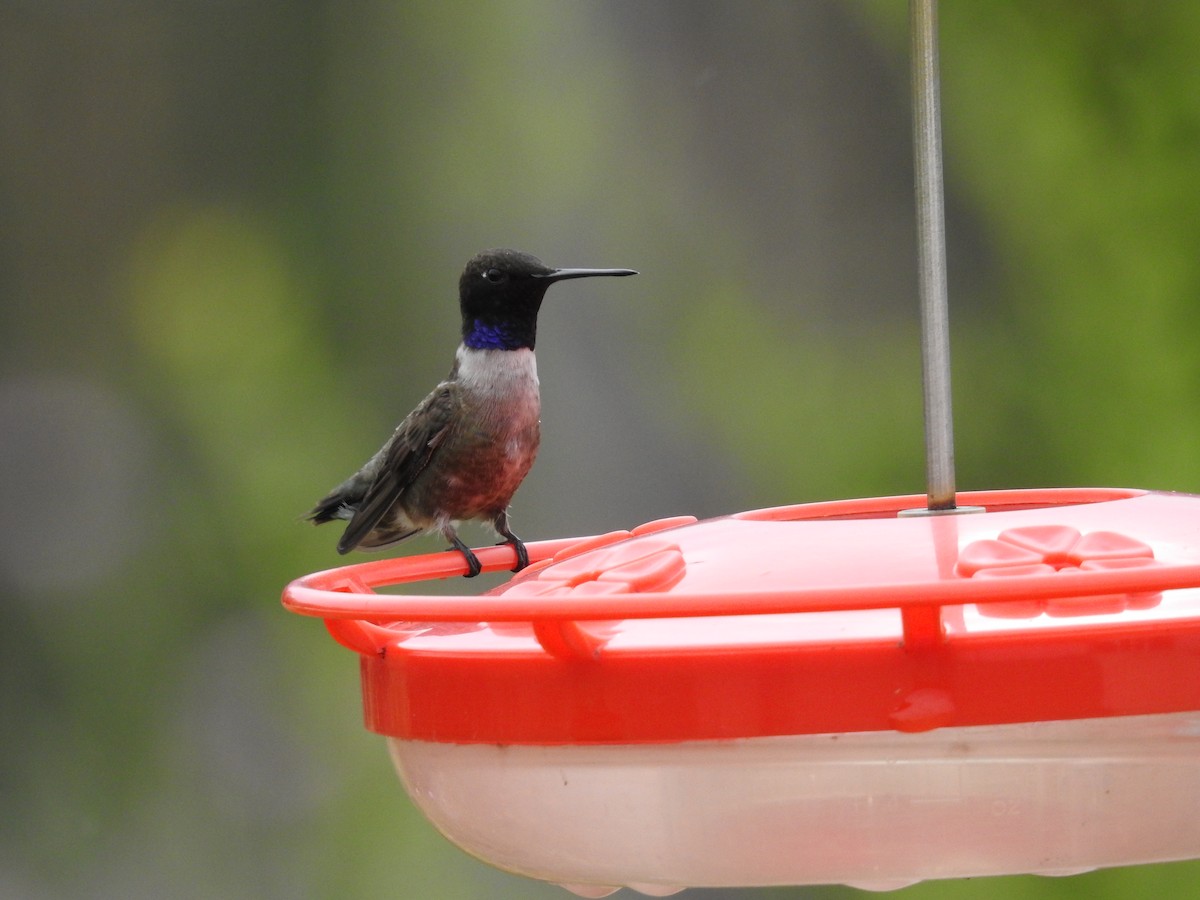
(406, 455)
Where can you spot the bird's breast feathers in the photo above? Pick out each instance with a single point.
(505, 371)
(499, 393)
(501, 386)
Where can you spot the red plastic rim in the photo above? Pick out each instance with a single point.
(809, 619)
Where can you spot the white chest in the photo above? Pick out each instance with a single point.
(503, 382)
(503, 370)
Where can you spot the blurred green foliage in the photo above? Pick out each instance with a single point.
(231, 233)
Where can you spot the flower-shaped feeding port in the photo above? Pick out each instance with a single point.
(626, 568)
(1045, 549)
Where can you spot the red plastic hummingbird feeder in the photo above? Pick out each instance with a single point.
(812, 694)
(867, 692)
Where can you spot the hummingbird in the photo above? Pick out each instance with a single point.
(461, 454)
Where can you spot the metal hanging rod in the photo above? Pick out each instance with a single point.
(931, 249)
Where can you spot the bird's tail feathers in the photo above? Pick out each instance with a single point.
(330, 509)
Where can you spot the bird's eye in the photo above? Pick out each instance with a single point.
(494, 276)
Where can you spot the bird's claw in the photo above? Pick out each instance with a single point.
(522, 554)
(473, 565)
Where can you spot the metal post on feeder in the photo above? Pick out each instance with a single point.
(931, 251)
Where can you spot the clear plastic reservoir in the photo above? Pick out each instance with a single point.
(877, 810)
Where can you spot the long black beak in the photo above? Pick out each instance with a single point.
(564, 274)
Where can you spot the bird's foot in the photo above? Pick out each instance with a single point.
(522, 553)
(473, 565)
(500, 523)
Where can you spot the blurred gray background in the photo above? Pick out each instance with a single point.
(230, 235)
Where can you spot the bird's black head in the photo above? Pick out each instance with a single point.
(500, 293)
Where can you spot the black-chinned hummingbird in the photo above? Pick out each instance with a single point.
(466, 448)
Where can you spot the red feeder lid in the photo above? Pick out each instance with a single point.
(820, 618)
